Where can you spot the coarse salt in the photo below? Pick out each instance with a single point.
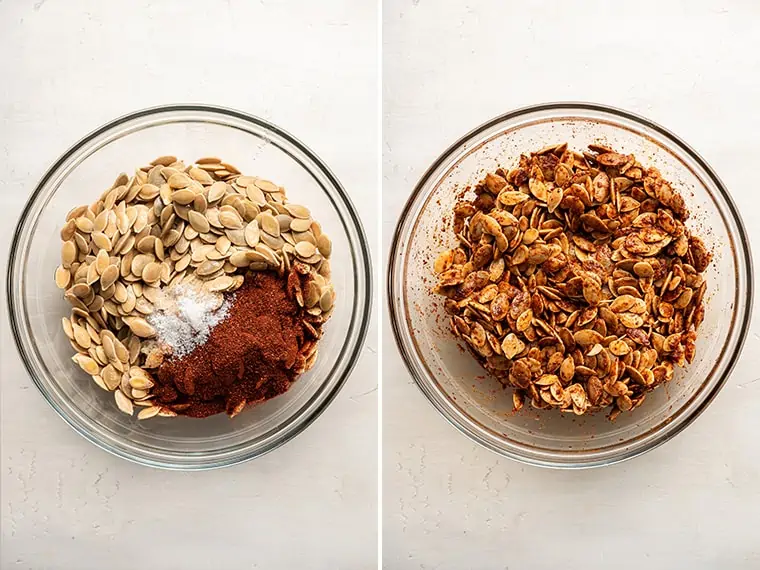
(185, 316)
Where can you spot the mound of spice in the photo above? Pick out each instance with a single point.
(256, 353)
(185, 316)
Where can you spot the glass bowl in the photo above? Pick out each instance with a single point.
(460, 388)
(36, 305)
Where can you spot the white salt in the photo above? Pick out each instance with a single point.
(185, 316)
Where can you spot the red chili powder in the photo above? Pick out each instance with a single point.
(248, 358)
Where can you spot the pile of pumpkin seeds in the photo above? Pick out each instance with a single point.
(575, 280)
(170, 223)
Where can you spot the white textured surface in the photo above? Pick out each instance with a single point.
(691, 66)
(69, 66)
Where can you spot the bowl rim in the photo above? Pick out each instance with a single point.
(358, 325)
(430, 389)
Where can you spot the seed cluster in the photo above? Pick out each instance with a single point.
(203, 225)
(575, 280)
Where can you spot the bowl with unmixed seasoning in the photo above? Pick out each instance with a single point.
(189, 286)
(570, 285)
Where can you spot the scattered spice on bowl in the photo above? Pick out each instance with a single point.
(576, 281)
(170, 271)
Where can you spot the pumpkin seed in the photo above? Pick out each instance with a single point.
(123, 403)
(230, 219)
(269, 224)
(149, 412)
(300, 224)
(305, 249)
(324, 245)
(140, 327)
(87, 364)
(198, 221)
(217, 191)
(298, 211)
(267, 186)
(222, 283)
(68, 253)
(62, 277)
(252, 233)
(326, 300)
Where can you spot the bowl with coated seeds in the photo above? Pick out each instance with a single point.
(570, 285)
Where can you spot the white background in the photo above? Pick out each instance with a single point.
(694, 68)
(66, 68)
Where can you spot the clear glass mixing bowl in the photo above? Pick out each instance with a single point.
(36, 305)
(477, 404)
